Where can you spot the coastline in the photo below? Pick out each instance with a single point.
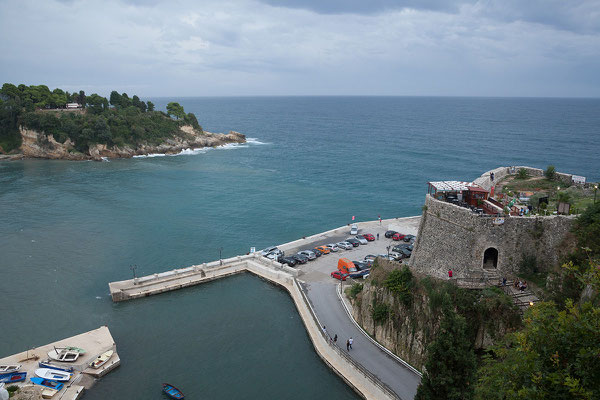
(38, 145)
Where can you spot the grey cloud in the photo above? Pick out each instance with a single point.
(368, 6)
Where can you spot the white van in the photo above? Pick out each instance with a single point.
(354, 229)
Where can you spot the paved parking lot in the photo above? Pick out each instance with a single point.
(319, 269)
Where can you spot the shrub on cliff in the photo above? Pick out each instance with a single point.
(550, 172)
(400, 282)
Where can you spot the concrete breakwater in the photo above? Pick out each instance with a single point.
(360, 379)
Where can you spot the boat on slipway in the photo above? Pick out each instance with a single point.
(47, 383)
(53, 374)
(63, 355)
(48, 364)
(101, 359)
(7, 369)
(13, 377)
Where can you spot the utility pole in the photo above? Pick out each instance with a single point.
(220, 258)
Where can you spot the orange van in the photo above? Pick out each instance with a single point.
(346, 266)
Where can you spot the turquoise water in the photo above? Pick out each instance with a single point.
(68, 228)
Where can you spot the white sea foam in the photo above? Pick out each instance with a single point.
(191, 152)
(105, 159)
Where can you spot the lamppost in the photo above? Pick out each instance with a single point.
(220, 258)
(388, 250)
(133, 267)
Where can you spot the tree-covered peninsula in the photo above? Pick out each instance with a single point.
(38, 122)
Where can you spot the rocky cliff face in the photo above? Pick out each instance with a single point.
(39, 145)
(409, 330)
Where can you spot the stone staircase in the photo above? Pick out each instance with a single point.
(522, 298)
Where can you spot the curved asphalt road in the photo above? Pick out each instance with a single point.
(331, 313)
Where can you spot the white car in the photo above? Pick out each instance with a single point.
(361, 239)
(308, 254)
(345, 245)
(354, 229)
(333, 247)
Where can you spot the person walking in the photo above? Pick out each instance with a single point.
(378, 236)
(350, 341)
(335, 338)
(449, 274)
(348, 345)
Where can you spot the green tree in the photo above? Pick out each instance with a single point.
(150, 106)
(191, 119)
(176, 110)
(115, 98)
(522, 173)
(96, 103)
(450, 365)
(550, 172)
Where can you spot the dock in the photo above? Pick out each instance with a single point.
(94, 342)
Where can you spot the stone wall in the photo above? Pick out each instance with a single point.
(454, 237)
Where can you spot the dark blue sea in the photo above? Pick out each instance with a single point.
(68, 228)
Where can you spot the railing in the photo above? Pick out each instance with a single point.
(369, 375)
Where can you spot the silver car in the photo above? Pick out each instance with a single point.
(345, 245)
(333, 247)
(308, 254)
(361, 239)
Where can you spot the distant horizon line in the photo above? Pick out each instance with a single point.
(378, 95)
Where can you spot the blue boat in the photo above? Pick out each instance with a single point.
(48, 365)
(13, 377)
(47, 383)
(172, 391)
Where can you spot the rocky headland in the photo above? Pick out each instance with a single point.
(39, 145)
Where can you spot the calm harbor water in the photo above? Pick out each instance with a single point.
(68, 228)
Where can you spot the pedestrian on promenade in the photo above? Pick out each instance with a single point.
(504, 281)
(348, 345)
(378, 236)
(335, 338)
(350, 341)
(324, 330)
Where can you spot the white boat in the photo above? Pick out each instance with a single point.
(63, 355)
(7, 369)
(101, 359)
(47, 393)
(53, 374)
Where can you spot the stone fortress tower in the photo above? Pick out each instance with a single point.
(476, 244)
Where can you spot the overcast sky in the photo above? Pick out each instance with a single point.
(304, 47)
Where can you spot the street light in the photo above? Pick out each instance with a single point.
(220, 259)
(388, 250)
(133, 267)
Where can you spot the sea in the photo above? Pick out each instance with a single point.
(310, 164)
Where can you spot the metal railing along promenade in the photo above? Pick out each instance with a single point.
(333, 345)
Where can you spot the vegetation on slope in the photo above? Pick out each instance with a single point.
(119, 121)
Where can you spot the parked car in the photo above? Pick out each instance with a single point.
(345, 245)
(398, 236)
(291, 261)
(359, 274)
(276, 255)
(323, 249)
(369, 263)
(361, 239)
(354, 229)
(368, 236)
(353, 241)
(339, 275)
(407, 253)
(400, 246)
(370, 257)
(300, 258)
(333, 247)
(308, 254)
(389, 234)
(408, 238)
(268, 250)
(360, 265)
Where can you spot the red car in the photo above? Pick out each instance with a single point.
(339, 275)
(398, 236)
(368, 236)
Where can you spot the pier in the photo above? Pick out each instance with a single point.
(94, 342)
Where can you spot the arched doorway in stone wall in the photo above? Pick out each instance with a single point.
(490, 258)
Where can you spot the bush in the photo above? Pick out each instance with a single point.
(355, 290)
(522, 173)
(381, 312)
(550, 172)
(399, 282)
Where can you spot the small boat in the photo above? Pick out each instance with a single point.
(13, 377)
(101, 359)
(48, 393)
(172, 391)
(47, 383)
(53, 374)
(7, 369)
(63, 355)
(75, 349)
(46, 364)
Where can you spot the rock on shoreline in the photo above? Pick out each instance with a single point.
(39, 145)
